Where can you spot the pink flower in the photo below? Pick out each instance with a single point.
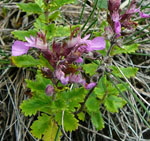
(49, 90)
(143, 15)
(90, 85)
(61, 76)
(19, 48)
(36, 42)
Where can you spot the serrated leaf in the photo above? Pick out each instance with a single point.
(38, 85)
(128, 72)
(90, 68)
(125, 49)
(45, 127)
(40, 3)
(70, 123)
(97, 120)
(40, 126)
(62, 31)
(53, 16)
(113, 103)
(25, 61)
(30, 8)
(20, 34)
(52, 133)
(55, 4)
(92, 104)
(105, 88)
(73, 98)
(102, 4)
(36, 103)
(81, 116)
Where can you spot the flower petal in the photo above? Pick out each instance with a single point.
(117, 28)
(97, 43)
(90, 85)
(79, 60)
(19, 48)
(143, 15)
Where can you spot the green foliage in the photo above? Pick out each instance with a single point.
(30, 8)
(45, 127)
(55, 4)
(124, 49)
(97, 120)
(67, 120)
(24, 61)
(40, 126)
(113, 103)
(105, 88)
(102, 4)
(92, 104)
(20, 34)
(90, 68)
(128, 72)
(40, 3)
(39, 84)
(73, 98)
(39, 102)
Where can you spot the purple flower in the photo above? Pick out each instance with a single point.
(76, 78)
(97, 43)
(49, 90)
(36, 42)
(61, 76)
(90, 85)
(117, 28)
(143, 15)
(19, 48)
(79, 60)
(116, 20)
(85, 45)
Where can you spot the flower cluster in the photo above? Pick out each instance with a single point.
(63, 57)
(116, 20)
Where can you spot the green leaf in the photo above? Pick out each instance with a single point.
(51, 133)
(25, 61)
(70, 123)
(30, 8)
(38, 85)
(125, 49)
(97, 120)
(55, 4)
(44, 126)
(62, 31)
(102, 4)
(37, 103)
(40, 3)
(128, 72)
(40, 126)
(81, 116)
(90, 68)
(53, 16)
(105, 88)
(20, 34)
(113, 103)
(73, 98)
(92, 104)
(44, 63)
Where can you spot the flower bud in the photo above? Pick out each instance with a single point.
(49, 90)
